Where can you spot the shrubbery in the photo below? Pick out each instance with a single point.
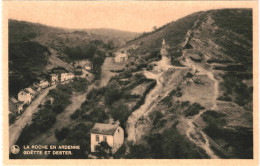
(41, 121)
(158, 116)
(58, 109)
(234, 85)
(121, 113)
(62, 133)
(75, 114)
(169, 145)
(193, 109)
(113, 92)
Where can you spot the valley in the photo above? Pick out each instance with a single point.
(182, 91)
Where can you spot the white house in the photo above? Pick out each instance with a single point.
(32, 92)
(15, 106)
(43, 83)
(121, 56)
(25, 96)
(88, 66)
(113, 134)
(66, 76)
(54, 79)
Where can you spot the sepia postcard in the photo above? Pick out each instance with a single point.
(130, 83)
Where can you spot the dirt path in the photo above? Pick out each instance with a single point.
(195, 135)
(153, 97)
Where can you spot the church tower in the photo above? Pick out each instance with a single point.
(164, 48)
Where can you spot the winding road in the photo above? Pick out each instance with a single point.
(16, 128)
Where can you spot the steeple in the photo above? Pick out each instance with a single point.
(163, 42)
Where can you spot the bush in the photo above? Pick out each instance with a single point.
(193, 109)
(98, 114)
(11, 118)
(224, 98)
(120, 152)
(158, 116)
(121, 113)
(176, 63)
(58, 109)
(75, 114)
(43, 119)
(113, 92)
(172, 145)
(185, 103)
(62, 134)
(215, 118)
(139, 152)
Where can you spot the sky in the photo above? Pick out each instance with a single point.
(132, 16)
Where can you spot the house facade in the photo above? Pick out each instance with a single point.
(113, 134)
(66, 76)
(43, 83)
(54, 78)
(88, 66)
(15, 106)
(36, 88)
(121, 57)
(31, 91)
(25, 96)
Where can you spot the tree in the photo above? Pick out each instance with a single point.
(121, 113)
(103, 150)
(154, 28)
(113, 92)
(62, 134)
(58, 109)
(139, 152)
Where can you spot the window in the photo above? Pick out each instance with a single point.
(118, 130)
(97, 138)
(105, 138)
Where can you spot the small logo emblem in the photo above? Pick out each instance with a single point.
(15, 149)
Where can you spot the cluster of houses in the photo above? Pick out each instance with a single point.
(26, 95)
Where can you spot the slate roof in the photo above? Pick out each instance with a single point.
(25, 90)
(30, 90)
(106, 129)
(15, 101)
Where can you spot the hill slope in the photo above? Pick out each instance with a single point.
(34, 48)
(212, 103)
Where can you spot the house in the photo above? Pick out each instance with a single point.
(54, 79)
(121, 56)
(43, 83)
(88, 66)
(36, 88)
(66, 76)
(25, 96)
(113, 134)
(32, 92)
(15, 106)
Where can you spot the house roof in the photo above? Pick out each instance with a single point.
(15, 101)
(30, 90)
(26, 91)
(106, 129)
